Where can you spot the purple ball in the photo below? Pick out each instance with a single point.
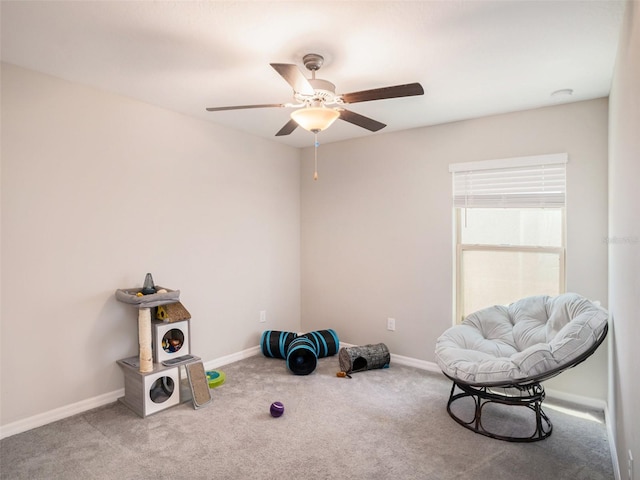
(277, 409)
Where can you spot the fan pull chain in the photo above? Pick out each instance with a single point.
(315, 157)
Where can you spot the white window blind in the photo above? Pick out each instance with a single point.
(523, 182)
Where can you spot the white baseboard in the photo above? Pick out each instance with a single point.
(101, 400)
(612, 444)
(589, 402)
(234, 357)
(414, 362)
(59, 413)
(91, 403)
(581, 400)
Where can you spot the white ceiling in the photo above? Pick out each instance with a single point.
(473, 58)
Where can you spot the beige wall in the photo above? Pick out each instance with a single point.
(377, 226)
(98, 190)
(624, 242)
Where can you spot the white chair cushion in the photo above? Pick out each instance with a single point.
(504, 345)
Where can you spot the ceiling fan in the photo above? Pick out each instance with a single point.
(316, 102)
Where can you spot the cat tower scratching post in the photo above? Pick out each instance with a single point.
(144, 299)
(144, 339)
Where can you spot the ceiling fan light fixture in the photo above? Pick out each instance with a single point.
(315, 119)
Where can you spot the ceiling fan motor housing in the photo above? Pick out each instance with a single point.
(324, 90)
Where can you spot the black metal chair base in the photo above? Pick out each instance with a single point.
(529, 396)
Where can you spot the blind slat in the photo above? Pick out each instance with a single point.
(537, 185)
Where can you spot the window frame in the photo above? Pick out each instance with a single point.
(535, 181)
(461, 247)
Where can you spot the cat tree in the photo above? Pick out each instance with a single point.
(151, 378)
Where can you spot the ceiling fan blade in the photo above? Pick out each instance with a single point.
(289, 127)
(361, 121)
(294, 77)
(242, 107)
(408, 90)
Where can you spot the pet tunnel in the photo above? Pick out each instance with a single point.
(325, 341)
(301, 356)
(275, 344)
(366, 357)
(300, 351)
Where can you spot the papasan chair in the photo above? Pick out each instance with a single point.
(499, 356)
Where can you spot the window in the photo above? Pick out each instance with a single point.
(509, 219)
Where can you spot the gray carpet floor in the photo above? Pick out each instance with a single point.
(380, 424)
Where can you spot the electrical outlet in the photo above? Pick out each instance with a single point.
(630, 465)
(263, 316)
(391, 324)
